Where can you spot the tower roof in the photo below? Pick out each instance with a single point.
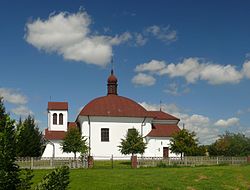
(57, 105)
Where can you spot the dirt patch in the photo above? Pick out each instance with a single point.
(190, 188)
(201, 177)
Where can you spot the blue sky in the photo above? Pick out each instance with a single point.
(192, 56)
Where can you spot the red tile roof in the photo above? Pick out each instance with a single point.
(163, 130)
(57, 105)
(72, 125)
(113, 105)
(160, 115)
(54, 135)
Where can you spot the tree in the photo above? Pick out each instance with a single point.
(230, 144)
(74, 142)
(29, 138)
(133, 143)
(10, 175)
(184, 142)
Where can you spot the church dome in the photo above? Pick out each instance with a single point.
(114, 106)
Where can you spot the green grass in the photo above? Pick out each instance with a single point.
(213, 177)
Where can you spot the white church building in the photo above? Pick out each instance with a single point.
(105, 120)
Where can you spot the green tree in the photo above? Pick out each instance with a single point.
(58, 179)
(74, 142)
(230, 144)
(133, 143)
(184, 142)
(11, 177)
(29, 138)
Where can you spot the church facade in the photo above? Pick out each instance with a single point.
(104, 121)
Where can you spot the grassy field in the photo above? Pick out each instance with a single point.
(213, 177)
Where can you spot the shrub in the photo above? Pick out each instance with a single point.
(58, 179)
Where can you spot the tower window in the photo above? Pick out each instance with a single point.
(60, 119)
(104, 134)
(54, 118)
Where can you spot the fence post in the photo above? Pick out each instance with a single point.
(134, 161)
(217, 160)
(248, 159)
(51, 162)
(90, 162)
(112, 161)
(31, 163)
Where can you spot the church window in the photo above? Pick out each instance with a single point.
(60, 119)
(104, 134)
(54, 118)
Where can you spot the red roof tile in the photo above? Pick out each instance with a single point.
(72, 125)
(160, 115)
(113, 105)
(57, 105)
(162, 130)
(54, 135)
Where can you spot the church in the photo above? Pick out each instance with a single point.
(105, 120)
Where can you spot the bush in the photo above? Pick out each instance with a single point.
(58, 179)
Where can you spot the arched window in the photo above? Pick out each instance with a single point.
(54, 119)
(60, 119)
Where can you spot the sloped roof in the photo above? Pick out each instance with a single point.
(163, 130)
(160, 115)
(54, 135)
(57, 105)
(72, 125)
(113, 105)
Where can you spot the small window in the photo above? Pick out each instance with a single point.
(54, 118)
(104, 134)
(60, 119)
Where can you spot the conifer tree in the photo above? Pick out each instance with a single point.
(9, 176)
(29, 138)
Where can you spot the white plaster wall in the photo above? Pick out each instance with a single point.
(155, 147)
(48, 152)
(118, 127)
(57, 127)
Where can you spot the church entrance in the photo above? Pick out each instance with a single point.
(165, 152)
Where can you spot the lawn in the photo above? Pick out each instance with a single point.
(213, 177)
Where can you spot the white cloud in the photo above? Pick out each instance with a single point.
(140, 40)
(12, 96)
(194, 69)
(246, 69)
(143, 80)
(152, 66)
(69, 35)
(227, 123)
(162, 33)
(176, 90)
(201, 125)
(22, 111)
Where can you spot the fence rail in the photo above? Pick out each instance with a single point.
(189, 161)
(47, 163)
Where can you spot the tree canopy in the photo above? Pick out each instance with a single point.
(133, 143)
(230, 144)
(29, 139)
(74, 142)
(185, 142)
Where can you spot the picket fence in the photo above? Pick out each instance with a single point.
(190, 161)
(124, 162)
(47, 163)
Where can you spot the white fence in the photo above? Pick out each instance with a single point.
(47, 163)
(189, 161)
